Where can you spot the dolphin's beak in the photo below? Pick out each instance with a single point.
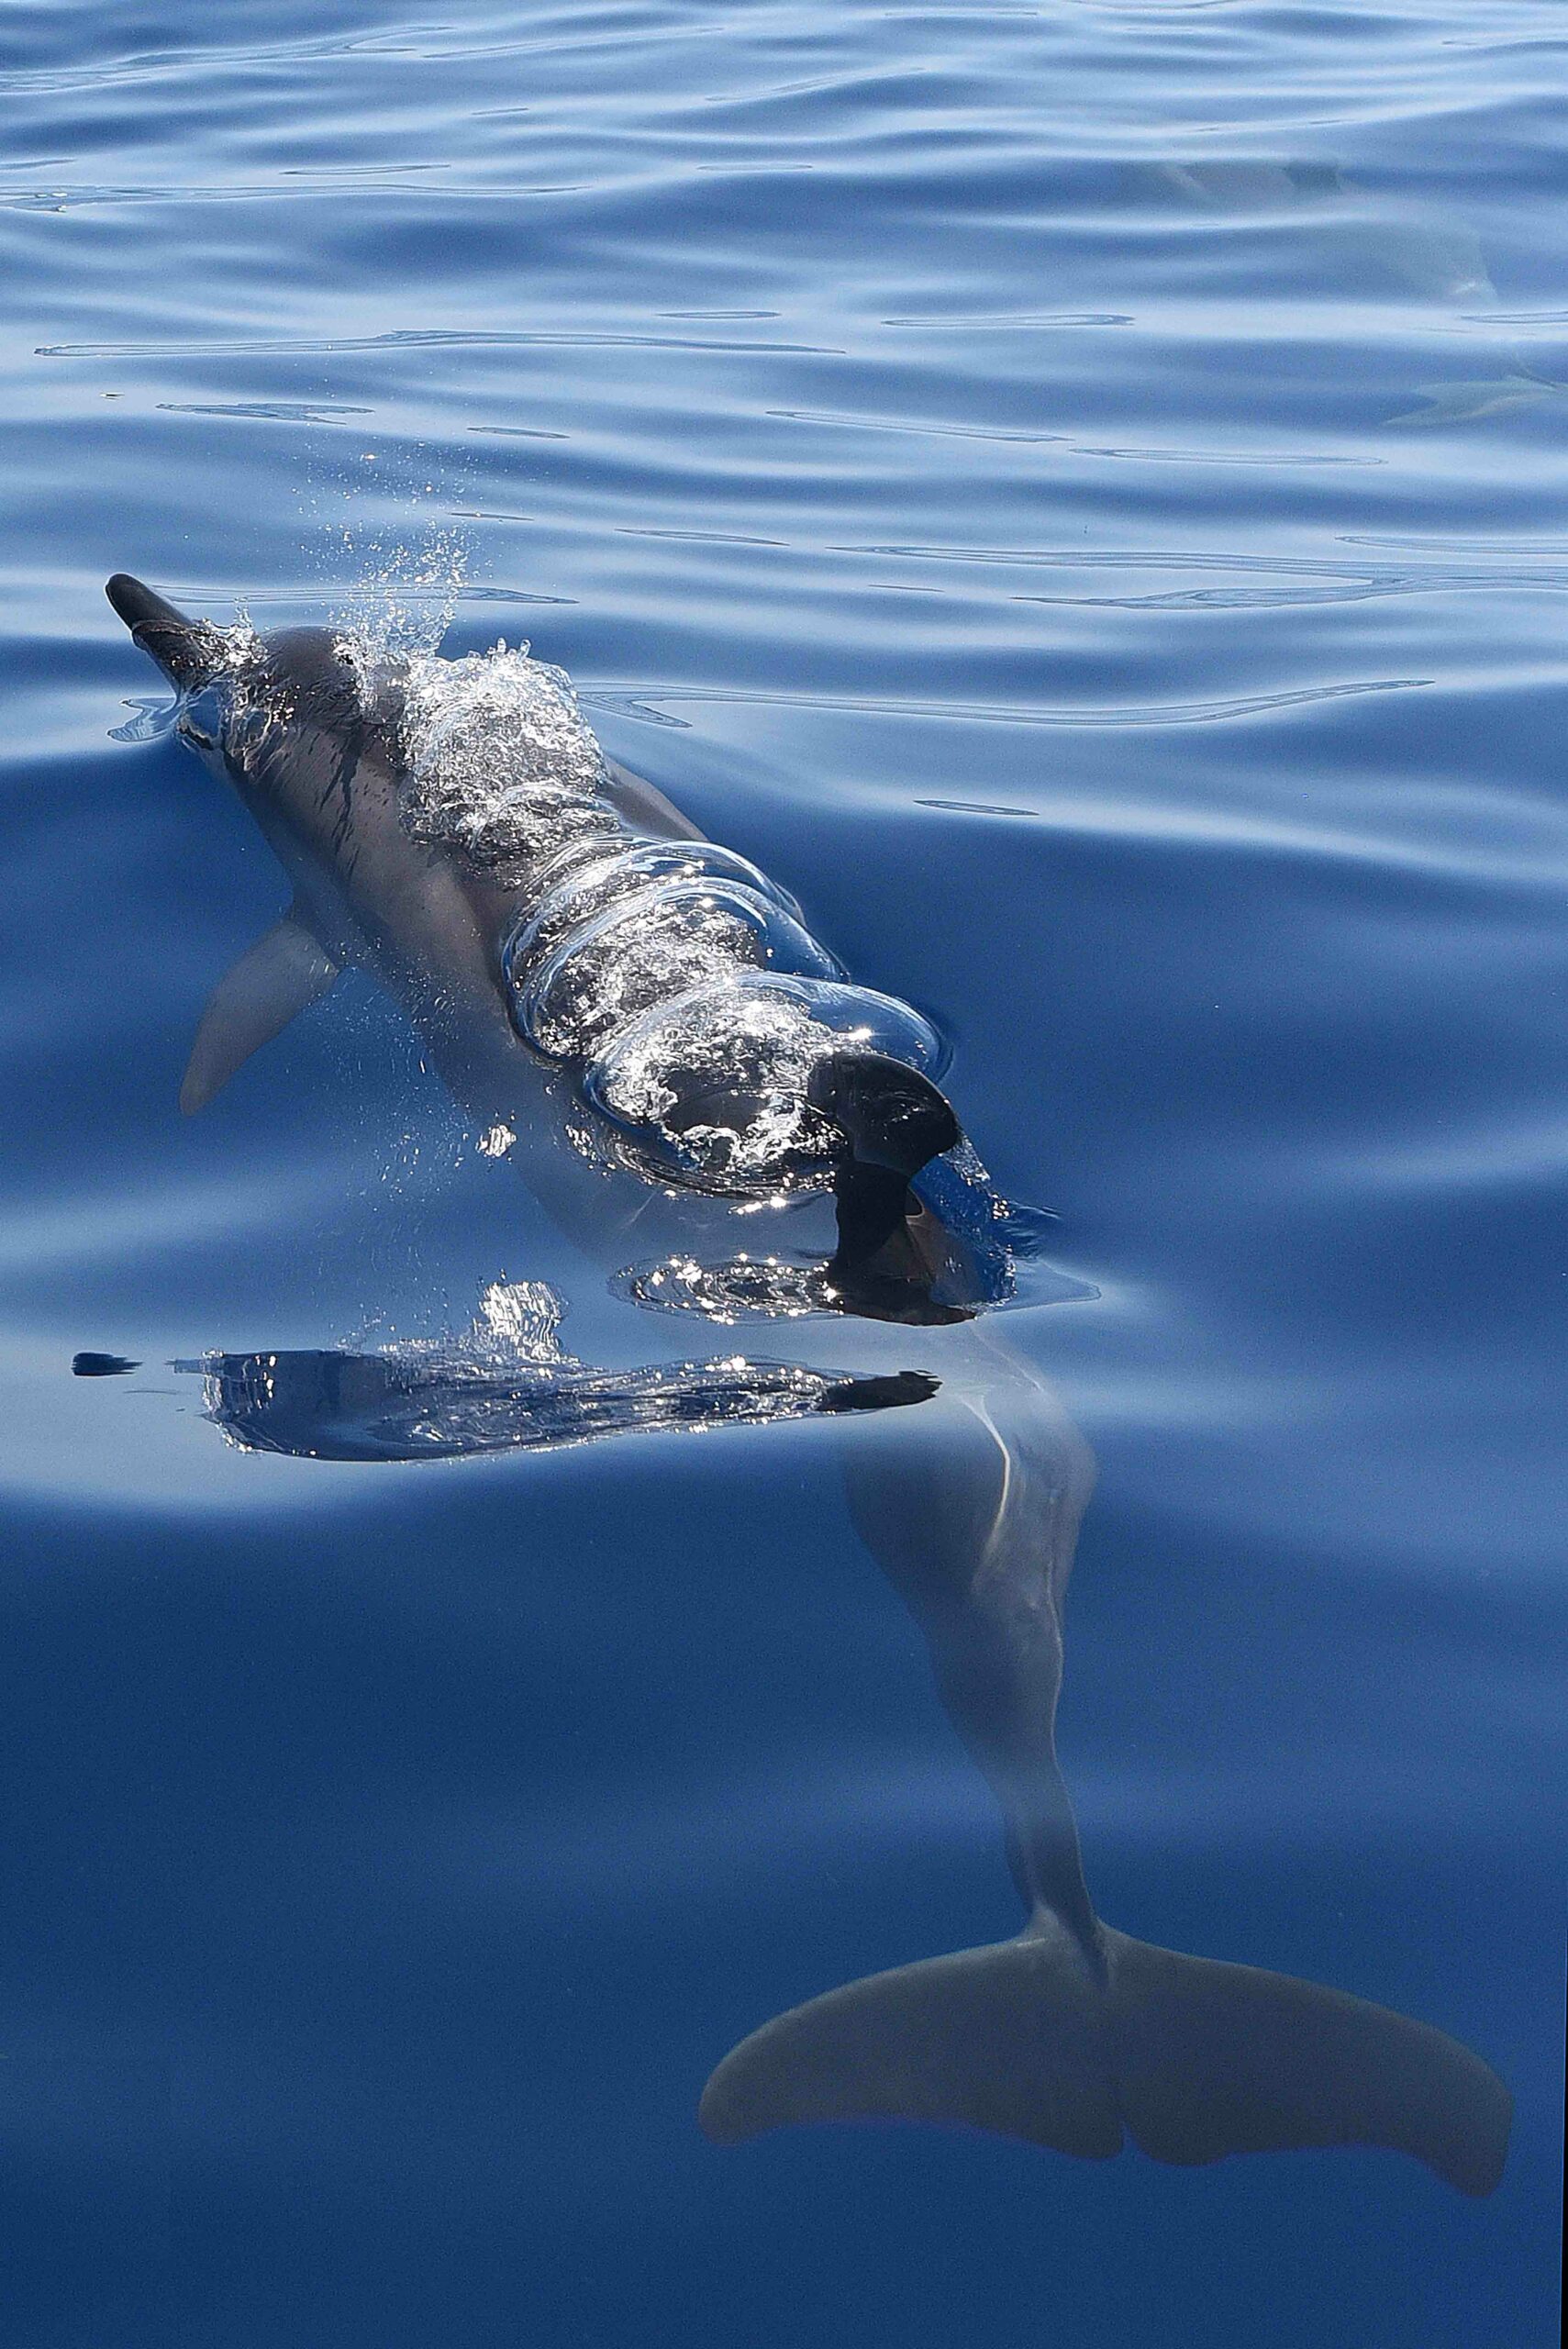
(188, 651)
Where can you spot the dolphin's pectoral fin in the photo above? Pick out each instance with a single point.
(1193, 2058)
(281, 973)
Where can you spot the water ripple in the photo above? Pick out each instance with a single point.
(1299, 580)
(641, 700)
(269, 411)
(418, 339)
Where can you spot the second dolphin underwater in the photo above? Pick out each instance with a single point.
(648, 1019)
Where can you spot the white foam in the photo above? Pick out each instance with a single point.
(503, 767)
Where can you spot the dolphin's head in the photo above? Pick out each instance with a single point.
(298, 674)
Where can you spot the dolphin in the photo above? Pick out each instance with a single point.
(567, 948)
(1072, 2035)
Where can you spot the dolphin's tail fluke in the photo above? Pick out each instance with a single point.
(188, 651)
(1191, 2058)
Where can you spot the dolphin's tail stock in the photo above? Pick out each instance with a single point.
(1191, 2058)
(188, 651)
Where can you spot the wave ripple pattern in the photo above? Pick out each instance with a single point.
(1076, 493)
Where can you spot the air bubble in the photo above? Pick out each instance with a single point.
(711, 1088)
(502, 767)
(650, 947)
(587, 889)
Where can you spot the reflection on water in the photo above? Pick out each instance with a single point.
(496, 1390)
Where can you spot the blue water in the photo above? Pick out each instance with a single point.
(1078, 492)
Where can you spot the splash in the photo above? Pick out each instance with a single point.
(580, 893)
(748, 1288)
(516, 1321)
(402, 604)
(660, 944)
(994, 1251)
(714, 1086)
(681, 985)
(502, 768)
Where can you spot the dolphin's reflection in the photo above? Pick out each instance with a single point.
(1073, 2036)
(320, 1405)
(507, 1386)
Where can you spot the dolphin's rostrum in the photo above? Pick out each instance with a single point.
(566, 942)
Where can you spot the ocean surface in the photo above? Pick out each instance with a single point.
(1077, 491)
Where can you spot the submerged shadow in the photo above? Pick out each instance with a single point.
(1071, 2035)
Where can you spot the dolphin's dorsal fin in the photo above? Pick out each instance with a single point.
(252, 1003)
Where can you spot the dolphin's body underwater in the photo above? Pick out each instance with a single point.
(1072, 2035)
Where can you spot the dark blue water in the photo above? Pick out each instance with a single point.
(1078, 492)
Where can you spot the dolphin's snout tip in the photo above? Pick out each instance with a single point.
(184, 649)
(122, 591)
(141, 606)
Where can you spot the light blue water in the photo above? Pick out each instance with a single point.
(1077, 491)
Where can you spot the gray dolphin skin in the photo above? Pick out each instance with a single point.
(718, 1070)
(566, 939)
